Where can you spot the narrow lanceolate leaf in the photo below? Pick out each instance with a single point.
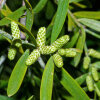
(86, 62)
(70, 1)
(80, 45)
(58, 60)
(47, 81)
(59, 19)
(81, 79)
(73, 40)
(2, 97)
(91, 23)
(7, 36)
(17, 75)
(97, 90)
(29, 15)
(40, 6)
(14, 16)
(35, 54)
(88, 14)
(94, 53)
(12, 53)
(47, 49)
(61, 41)
(92, 33)
(6, 11)
(71, 85)
(15, 30)
(89, 82)
(41, 37)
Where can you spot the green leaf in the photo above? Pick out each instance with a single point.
(79, 45)
(14, 16)
(98, 84)
(91, 23)
(71, 85)
(40, 6)
(5, 35)
(17, 75)
(81, 79)
(68, 97)
(92, 33)
(29, 15)
(2, 97)
(6, 11)
(47, 81)
(88, 14)
(59, 19)
(73, 40)
(71, 24)
(70, 1)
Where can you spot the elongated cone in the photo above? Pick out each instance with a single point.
(86, 62)
(97, 90)
(15, 30)
(41, 37)
(95, 73)
(70, 53)
(47, 49)
(89, 82)
(58, 60)
(11, 53)
(61, 41)
(62, 52)
(35, 54)
(94, 53)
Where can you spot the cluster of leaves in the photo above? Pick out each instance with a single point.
(51, 75)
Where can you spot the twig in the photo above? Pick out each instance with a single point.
(74, 19)
(41, 62)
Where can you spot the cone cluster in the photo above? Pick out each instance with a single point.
(16, 42)
(93, 76)
(55, 47)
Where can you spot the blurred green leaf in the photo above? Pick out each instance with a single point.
(2, 97)
(30, 98)
(59, 19)
(47, 81)
(71, 85)
(98, 84)
(49, 10)
(79, 45)
(29, 15)
(92, 33)
(91, 23)
(14, 16)
(81, 79)
(73, 40)
(40, 6)
(70, 1)
(88, 14)
(5, 35)
(68, 97)
(17, 75)
(70, 23)
(6, 11)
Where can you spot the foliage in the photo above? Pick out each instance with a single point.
(49, 50)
